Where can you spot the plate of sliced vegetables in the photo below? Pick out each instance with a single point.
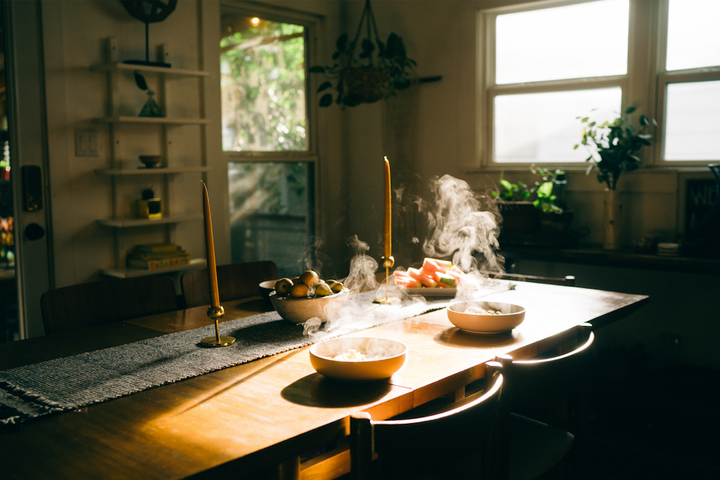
(436, 277)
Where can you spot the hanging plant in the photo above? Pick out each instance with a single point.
(376, 72)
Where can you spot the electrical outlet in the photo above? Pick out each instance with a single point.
(86, 143)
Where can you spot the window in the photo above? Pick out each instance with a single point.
(547, 65)
(266, 136)
(689, 87)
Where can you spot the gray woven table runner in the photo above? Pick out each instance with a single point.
(74, 382)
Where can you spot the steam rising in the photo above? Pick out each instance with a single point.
(459, 226)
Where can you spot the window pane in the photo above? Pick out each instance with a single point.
(270, 213)
(692, 123)
(585, 40)
(693, 34)
(262, 67)
(543, 127)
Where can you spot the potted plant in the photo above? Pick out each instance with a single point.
(376, 72)
(613, 146)
(536, 214)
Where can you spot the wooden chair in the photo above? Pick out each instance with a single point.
(540, 392)
(106, 301)
(411, 447)
(237, 280)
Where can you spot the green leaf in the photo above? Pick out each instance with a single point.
(317, 69)
(545, 189)
(326, 100)
(644, 120)
(336, 55)
(506, 184)
(367, 46)
(324, 86)
(630, 109)
(575, 147)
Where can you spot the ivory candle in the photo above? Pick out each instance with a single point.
(210, 248)
(388, 212)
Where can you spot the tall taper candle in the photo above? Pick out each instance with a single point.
(210, 247)
(388, 212)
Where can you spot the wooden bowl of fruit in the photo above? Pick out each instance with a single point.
(307, 296)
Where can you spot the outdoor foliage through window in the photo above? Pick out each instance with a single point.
(262, 67)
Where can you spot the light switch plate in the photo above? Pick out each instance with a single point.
(86, 143)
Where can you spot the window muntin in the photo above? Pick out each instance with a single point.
(693, 40)
(547, 44)
(263, 84)
(543, 127)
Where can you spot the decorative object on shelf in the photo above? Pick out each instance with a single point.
(216, 311)
(149, 206)
(535, 215)
(150, 161)
(149, 11)
(151, 108)
(152, 256)
(613, 149)
(357, 83)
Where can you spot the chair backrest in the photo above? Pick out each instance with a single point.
(537, 385)
(568, 280)
(439, 439)
(237, 280)
(106, 301)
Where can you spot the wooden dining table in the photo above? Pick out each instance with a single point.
(274, 417)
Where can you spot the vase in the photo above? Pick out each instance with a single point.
(612, 220)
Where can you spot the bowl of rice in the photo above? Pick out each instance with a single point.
(485, 317)
(358, 358)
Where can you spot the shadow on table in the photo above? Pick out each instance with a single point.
(318, 391)
(456, 337)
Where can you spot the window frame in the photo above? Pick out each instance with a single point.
(311, 23)
(644, 83)
(665, 77)
(311, 156)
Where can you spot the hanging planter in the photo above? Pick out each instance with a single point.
(376, 72)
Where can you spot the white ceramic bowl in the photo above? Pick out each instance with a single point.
(384, 357)
(300, 310)
(464, 316)
(266, 288)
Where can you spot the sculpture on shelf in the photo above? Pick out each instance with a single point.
(149, 11)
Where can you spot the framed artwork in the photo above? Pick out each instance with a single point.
(697, 195)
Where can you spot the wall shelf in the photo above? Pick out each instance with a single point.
(129, 272)
(149, 171)
(118, 67)
(144, 222)
(155, 120)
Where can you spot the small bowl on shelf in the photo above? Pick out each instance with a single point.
(302, 309)
(150, 161)
(485, 317)
(358, 359)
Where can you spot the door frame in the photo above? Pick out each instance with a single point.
(27, 129)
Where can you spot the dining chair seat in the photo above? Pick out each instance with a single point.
(236, 280)
(106, 301)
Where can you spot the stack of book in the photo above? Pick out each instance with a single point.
(157, 255)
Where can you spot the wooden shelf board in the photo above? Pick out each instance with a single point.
(142, 222)
(156, 120)
(129, 272)
(149, 171)
(127, 67)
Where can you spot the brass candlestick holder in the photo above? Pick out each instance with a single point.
(387, 299)
(216, 313)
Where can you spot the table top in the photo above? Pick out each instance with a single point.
(251, 417)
